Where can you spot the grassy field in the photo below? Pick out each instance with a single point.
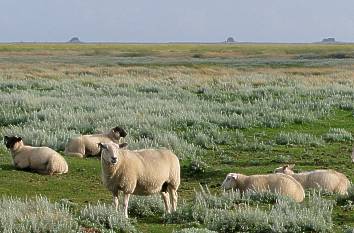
(221, 108)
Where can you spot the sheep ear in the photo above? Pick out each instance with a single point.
(6, 138)
(291, 166)
(122, 145)
(102, 146)
(18, 139)
(234, 176)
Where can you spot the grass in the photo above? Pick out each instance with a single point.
(232, 108)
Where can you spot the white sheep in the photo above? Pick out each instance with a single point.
(328, 180)
(140, 172)
(275, 183)
(43, 160)
(87, 145)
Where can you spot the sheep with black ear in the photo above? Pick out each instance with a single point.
(87, 145)
(276, 183)
(43, 160)
(325, 179)
(140, 172)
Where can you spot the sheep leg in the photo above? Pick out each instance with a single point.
(115, 201)
(166, 199)
(173, 197)
(126, 202)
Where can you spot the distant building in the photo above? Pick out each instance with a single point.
(230, 40)
(74, 40)
(328, 40)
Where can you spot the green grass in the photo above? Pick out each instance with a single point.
(222, 110)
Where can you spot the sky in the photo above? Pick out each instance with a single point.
(176, 20)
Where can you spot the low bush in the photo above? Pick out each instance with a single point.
(35, 215)
(337, 135)
(285, 216)
(105, 218)
(296, 138)
(146, 206)
(194, 230)
(233, 212)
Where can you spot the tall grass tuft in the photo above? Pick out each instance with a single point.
(296, 138)
(338, 135)
(35, 215)
(233, 212)
(284, 216)
(105, 218)
(146, 206)
(194, 230)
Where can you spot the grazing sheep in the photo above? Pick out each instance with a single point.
(43, 160)
(275, 183)
(87, 145)
(140, 172)
(328, 180)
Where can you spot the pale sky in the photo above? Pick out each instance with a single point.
(176, 20)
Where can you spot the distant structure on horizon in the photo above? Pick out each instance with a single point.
(230, 40)
(328, 40)
(75, 40)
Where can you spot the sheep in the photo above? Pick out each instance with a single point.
(140, 172)
(87, 145)
(43, 160)
(328, 180)
(275, 183)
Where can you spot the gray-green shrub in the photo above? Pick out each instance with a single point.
(105, 218)
(194, 230)
(297, 138)
(285, 216)
(146, 206)
(160, 111)
(338, 135)
(35, 215)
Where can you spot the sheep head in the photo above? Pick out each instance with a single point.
(118, 132)
(109, 152)
(286, 169)
(12, 141)
(229, 181)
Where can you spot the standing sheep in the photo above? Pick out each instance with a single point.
(328, 180)
(43, 160)
(275, 183)
(140, 172)
(87, 145)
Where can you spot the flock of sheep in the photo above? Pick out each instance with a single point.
(149, 171)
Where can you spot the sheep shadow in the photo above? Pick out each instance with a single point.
(10, 167)
(7, 167)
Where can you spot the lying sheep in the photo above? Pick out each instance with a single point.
(140, 172)
(87, 145)
(40, 159)
(275, 183)
(328, 180)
